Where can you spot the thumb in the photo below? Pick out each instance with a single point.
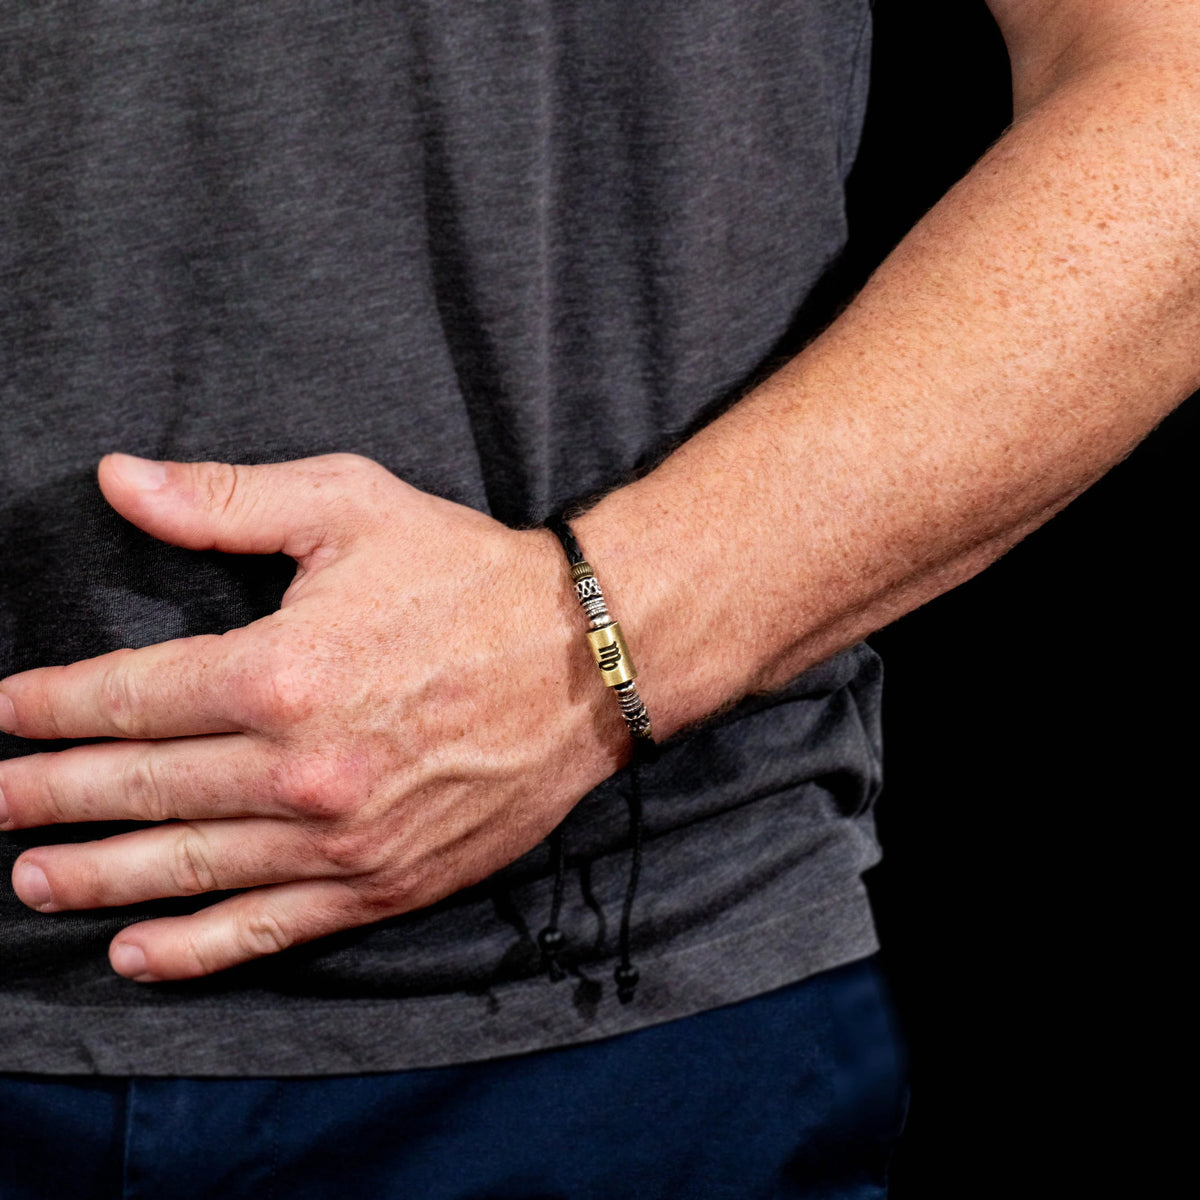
(294, 507)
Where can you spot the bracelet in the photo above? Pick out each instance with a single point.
(617, 670)
(604, 636)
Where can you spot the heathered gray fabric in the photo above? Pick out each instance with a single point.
(511, 251)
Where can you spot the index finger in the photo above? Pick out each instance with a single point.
(173, 689)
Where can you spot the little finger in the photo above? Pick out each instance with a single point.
(240, 929)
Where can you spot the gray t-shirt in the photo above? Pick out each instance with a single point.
(513, 252)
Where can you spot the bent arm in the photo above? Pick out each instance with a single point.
(1040, 320)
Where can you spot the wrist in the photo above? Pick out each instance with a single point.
(590, 728)
(648, 570)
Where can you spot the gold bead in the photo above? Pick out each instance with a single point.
(611, 654)
(582, 570)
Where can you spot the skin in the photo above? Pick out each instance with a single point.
(371, 748)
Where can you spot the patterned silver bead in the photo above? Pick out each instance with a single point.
(586, 588)
(633, 709)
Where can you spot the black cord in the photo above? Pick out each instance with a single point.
(551, 939)
(557, 524)
(627, 975)
(644, 751)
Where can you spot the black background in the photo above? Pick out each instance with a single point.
(1033, 830)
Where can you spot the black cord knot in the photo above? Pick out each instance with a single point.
(551, 941)
(626, 976)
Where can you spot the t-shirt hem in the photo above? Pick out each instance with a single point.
(336, 1037)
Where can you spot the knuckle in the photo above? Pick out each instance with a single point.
(280, 697)
(40, 708)
(221, 484)
(119, 700)
(203, 954)
(392, 891)
(191, 865)
(261, 933)
(350, 851)
(9, 818)
(54, 799)
(143, 789)
(364, 485)
(344, 463)
(317, 786)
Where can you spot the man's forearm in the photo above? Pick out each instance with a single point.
(1041, 319)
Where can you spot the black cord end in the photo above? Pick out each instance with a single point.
(626, 976)
(551, 941)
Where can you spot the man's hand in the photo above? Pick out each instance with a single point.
(418, 713)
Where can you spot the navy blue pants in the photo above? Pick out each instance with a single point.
(799, 1093)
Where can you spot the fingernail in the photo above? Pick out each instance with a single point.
(128, 960)
(8, 715)
(3, 809)
(141, 473)
(31, 884)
